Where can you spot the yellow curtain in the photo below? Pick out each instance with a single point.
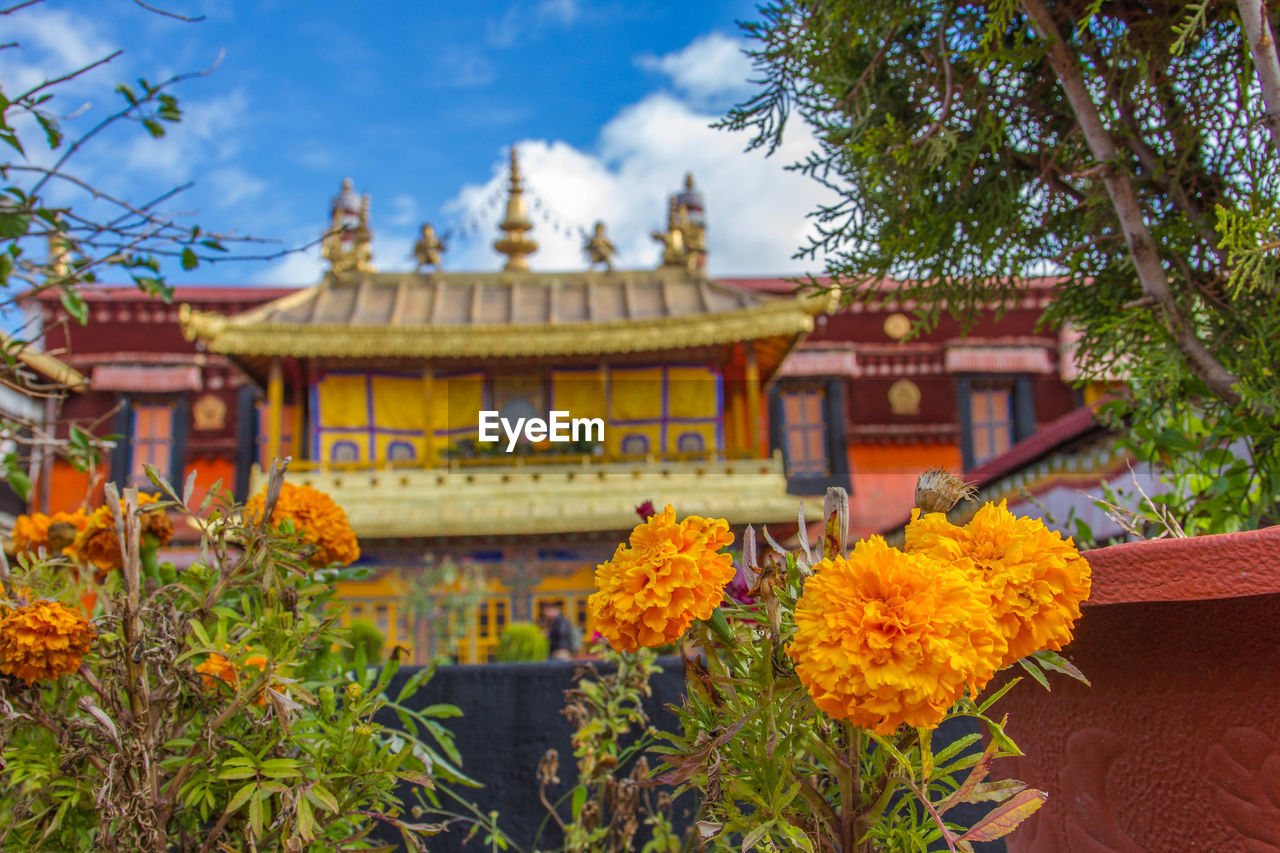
(636, 394)
(579, 393)
(693, 392)
(342, 417)
(455, 415)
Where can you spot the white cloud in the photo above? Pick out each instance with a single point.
(404, 210)
(559, 11)
(756, 210)
(52, 42)
(300, 268)
(521, 20)
(232, 185)
(711, 68)
(207, 134)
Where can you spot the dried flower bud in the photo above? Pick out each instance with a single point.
(938, 490)
(549, 768)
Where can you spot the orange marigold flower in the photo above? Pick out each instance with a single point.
(99, 545)
(217, 670)
(1034, 579)
(42, 640)
(318, 520)
(668, 575)
(884, 638)
(54, 533)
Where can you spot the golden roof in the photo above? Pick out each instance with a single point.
(504, 315)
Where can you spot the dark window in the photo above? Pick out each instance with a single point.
(991, 426)
(804, 429)
(807, 423)
(689, 442)
(400, 451)
(635, 445)
(344, 451)
(152, 440)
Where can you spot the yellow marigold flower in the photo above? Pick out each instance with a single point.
(99, 545)
(667, 576)
(1035, 580)
(884, 638)
(317, 518)
(217, 670)
(53, 533)
(42, 640)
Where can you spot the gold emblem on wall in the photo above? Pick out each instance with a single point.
(209, 412)
(904, 397)
(897, 326)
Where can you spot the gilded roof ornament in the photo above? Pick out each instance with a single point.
(515, 242)
(684, 243)
(348, 244)
(599, 249)
(429, 248)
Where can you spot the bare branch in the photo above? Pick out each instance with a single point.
(116, 116)
(168, 14)
(13, 9)
(71, 75)
(1262, 46)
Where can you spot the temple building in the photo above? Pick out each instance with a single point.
(731, 397)
(376, 383)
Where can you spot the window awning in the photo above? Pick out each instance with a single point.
(999, 360)
(156, 379)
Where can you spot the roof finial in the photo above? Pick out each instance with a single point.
(599, 249)
(348, 243)
(516, 244)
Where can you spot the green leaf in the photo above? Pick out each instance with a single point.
(14, 225)
(239, 773)
(752, 838)
(74, 304)
(1034, 672)
(255, 816)
(1051, 660)
(323, 798)
(51, 129)
(189, 259)
(20, 483)
(579, 800)
(241, 796)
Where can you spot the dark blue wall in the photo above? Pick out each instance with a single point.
(511, 717)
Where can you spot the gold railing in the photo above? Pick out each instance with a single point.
(590, 493)
(515, 460)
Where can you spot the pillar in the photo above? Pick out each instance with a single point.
(275, 408)
(753, 400)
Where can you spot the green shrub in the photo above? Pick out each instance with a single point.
(522, 641)
(364, 635)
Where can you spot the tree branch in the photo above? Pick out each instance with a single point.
(1262, 46)
(1128, 209)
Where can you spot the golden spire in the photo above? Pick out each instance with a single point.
(516, 244)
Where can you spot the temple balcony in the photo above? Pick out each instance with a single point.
(515, 495)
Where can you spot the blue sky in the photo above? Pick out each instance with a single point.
(418, 103)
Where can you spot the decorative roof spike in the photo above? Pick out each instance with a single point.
(429, 248)
(599, 249)
(516, 244)
(348, 243)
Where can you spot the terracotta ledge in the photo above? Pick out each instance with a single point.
(1228, 565)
